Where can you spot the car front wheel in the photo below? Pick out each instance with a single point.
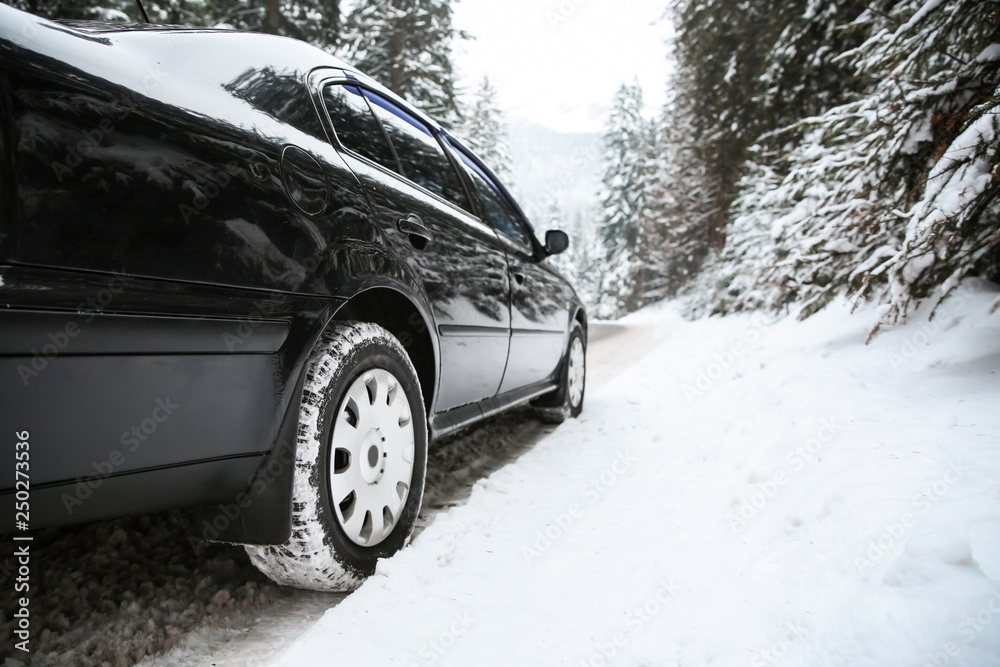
(360, 462)
(568, 398)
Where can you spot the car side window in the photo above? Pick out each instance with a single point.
(422, 159)
(499, 212)
(356, 126)
(280, 95)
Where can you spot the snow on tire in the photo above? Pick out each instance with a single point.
(360, 460)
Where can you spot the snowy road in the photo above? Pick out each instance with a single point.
(121, 592)
(736, 492)
(453, 469)
(743, 494)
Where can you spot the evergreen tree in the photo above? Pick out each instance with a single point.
(650, 280)
(743, 71)
(314, 21)
(583, 262)
(485, 132)
(892, 188)
(946, 87)
(622, 199)
(675, 202)
(719, 48)
(803, 74)
(406, 45)
(89, 10)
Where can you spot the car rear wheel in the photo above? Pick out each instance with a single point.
(568, 398)
(360, 461)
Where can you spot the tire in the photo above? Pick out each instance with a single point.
(360, 460)
(568, 398)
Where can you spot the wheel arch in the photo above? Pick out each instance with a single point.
(558, 396)
(403, 318)
(580, 316)
(266, 517)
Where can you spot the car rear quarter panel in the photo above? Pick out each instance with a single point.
(162, 254)
(110, 178)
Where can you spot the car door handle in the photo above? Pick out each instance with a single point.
(414, 227)
(519, 276)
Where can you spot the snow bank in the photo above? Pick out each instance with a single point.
(747, 493)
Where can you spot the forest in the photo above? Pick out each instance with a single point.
(807, 149)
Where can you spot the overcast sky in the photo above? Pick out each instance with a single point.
(559, 62)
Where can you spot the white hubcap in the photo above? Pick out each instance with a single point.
(371, 457)
(577, 372)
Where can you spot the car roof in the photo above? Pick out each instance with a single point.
(128, 53)
(200, 52)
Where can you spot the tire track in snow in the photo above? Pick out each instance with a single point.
(454, 465)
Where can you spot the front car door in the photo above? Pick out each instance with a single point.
(540, 299)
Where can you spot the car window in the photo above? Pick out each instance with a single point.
(422, 159)
(280, 95)
(499, 212)
(355, 125)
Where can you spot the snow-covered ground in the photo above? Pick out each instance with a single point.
(132, 590)
(736, 492)
(745, 493)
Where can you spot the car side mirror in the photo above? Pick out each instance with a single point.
(556, 241)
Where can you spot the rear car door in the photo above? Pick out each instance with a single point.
(422, 207)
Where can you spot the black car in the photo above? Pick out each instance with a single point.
(239, 275)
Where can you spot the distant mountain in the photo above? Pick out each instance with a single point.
(558, 167)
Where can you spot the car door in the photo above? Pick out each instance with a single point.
(422, 206)
(540, 304)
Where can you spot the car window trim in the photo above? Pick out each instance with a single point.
(338, 145)
(499, 189)
(336, 141)
(426, 128)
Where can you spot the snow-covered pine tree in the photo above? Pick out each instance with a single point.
(406, 45)
(719, 48)
(830, 216)
(744, 70)
(86, 10)
(621, 200)
(949, 71)
(583, 262)
(751, 271)
(587, 254)
(485, 131)
(675, 202)
(802, 72)
(314, 21)
(114, 10)
(651, 280)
